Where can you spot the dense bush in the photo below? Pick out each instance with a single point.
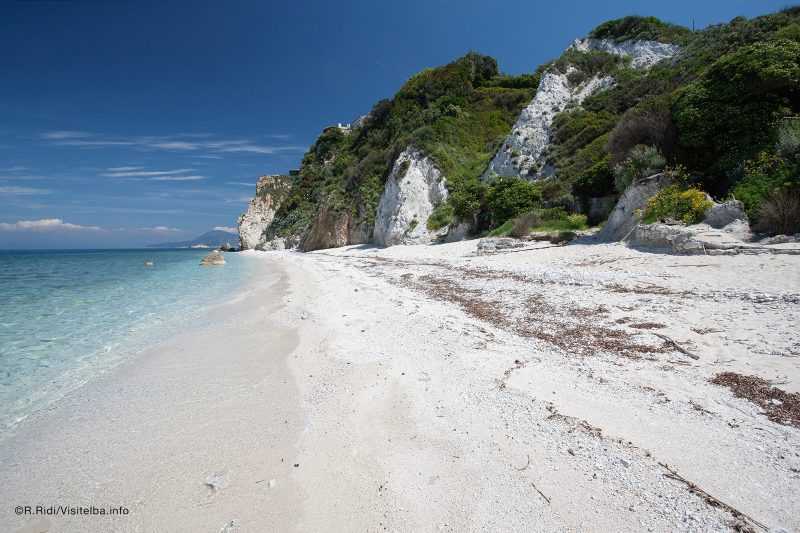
(674, 202)
(508, 197)
(640, 28)
(779, 213)
(643, 161)
(649, 123)
(727, 116)
(544, 220)
(441, 216)
(762, 175)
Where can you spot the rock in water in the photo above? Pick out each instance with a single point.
(213, 259)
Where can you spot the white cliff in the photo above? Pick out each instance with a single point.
(524, 152)
(643, 54)
(414, 187)
(270, 191)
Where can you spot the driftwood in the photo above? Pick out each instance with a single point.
(675, 345)
(540, 493)
(711, 500)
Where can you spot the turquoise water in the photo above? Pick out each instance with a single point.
(68, 316)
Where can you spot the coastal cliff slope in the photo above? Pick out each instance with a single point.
(712, 106)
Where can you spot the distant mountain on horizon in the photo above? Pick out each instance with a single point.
(210, 239)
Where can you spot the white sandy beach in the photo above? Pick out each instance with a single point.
(421, 388)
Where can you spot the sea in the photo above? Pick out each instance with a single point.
(68, 316)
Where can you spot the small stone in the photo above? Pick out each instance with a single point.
(271, 483)
(230, 527)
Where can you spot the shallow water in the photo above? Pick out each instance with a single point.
(68, 316)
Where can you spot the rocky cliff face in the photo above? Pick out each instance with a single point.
(523, 154)
(643, 54)
(414, 187)
(332, 228)
(624, 219)
(270, 192)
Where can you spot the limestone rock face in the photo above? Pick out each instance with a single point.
(720, 215)
(523, 154)
(643, 54)
(330, 229)
(623, 218)
(414, 187)
(270, 192)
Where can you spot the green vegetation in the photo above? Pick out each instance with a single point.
(643, 161)
(717, 111)
(541, 219)
(457, 115)
(641, 29)
(687, 205)
(441, 216)
(508, 197)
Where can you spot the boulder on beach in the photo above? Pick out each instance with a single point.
(213, 259)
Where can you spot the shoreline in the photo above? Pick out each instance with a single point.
(215, 405)
(404, 391)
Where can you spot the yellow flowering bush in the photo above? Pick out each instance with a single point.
(685, 204)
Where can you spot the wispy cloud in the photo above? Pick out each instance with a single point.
(45, 224)
(22, 191)
(175, 143)
(123, 169)
(227, 229)
(16, 168)
(65, 134)
(178, 178)
(129, 172)
(242, 183)
(162, 229)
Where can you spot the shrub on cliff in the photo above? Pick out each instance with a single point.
(642, 161)
(730, 113)
(441, 216)
(640, 29)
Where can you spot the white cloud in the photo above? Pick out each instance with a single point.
(178, 178)
(65, 134)
(162, 229)
(123, 169)
(226, 229)
(45, 224)
(137, 172)
(175, 143)
(242, 183)
(256, 149)
(17, 168)
(22, 191)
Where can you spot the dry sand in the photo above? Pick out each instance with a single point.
(422, 388)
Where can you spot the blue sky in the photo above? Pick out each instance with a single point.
(124, 123)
